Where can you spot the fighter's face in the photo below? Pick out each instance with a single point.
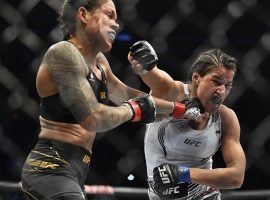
(102, 26)
(214, 87)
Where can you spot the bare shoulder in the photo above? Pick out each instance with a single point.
(176, 91)
(230, 123)
(64, 55)
(102, 60)
(226, 113)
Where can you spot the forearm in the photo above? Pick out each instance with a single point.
(143, 59)
(222, 178)
(163, 107)
(104, 118)
(153, 78)
(158, 81)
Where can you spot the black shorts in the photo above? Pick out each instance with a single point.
(55, 170)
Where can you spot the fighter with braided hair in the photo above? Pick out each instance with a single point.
(75, 83)
(179, 152)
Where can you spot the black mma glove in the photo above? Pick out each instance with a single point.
(143, 108)
(145, 54)
(194, 108)
(191, 108)
(171, 181)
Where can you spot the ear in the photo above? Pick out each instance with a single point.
(83, 15)
(196, 78)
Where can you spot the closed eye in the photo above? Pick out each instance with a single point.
(228, 86)
(216, 83)
(110, 14)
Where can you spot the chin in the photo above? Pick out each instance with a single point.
(212, 109)
(107, 47)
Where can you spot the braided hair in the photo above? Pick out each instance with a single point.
(208, 60)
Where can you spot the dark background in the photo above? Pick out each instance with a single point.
(178, 30)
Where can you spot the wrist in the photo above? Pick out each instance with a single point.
(183, 174)
(178, 110)
(131, 112)
(135, 110)
(141, 72)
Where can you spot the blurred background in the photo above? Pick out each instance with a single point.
(178, 30)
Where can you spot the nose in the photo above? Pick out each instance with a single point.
(221, 90)
(115, 26)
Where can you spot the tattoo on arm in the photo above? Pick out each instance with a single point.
(68, 69)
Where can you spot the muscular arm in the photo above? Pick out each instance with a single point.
(233, 175)
(119, 92)
(68, 71)
(160, 83)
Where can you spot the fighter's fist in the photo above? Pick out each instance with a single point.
(191, 109)
(171, 181)
(144, 57)
(143, 108)
(194, 108)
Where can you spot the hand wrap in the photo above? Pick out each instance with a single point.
(143, 108)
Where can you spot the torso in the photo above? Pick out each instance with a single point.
(64, 131)
(174, 141)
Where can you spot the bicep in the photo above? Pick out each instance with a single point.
(68, 70)
(231, 147)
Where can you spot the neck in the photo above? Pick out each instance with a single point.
(85, 48)
(192, 90)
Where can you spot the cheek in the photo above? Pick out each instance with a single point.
(203, 92)
(201, 95)
(202, 89)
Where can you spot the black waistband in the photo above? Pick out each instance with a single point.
(70, 151)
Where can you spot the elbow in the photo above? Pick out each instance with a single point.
(92, 121)
(237, 178)
(236, 182)
(89, 124)
(98, 120)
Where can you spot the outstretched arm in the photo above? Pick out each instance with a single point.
(143, 61)
(68, 70)
(119, 92)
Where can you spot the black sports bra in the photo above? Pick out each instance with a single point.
(53, 107)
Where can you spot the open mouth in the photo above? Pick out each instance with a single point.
(216, 100)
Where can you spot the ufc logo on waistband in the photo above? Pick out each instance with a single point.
(164, 177)
(86, 159)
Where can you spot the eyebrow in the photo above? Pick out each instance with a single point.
(219, 78)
